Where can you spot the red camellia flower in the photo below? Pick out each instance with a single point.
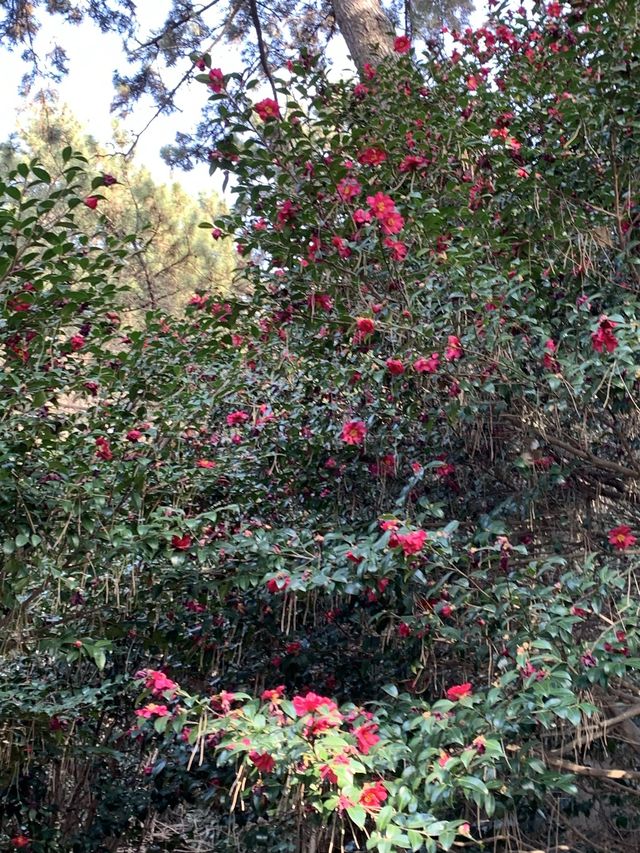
(373, 796)
(412, 542)
(366, 326)
(216, 80)
(445, 470)
(603, 338)
(205, 463)
(395, 366)
(392, 223)
(454, 348)
(444, 758)
(366, 737)
(348, 189)
(153, 710)
(286, 212)
(381, 205)
(181, 543)
(361, 217)
(279, 583)
(459, 691)
(412, 162)
(19, 841)
(91, 201)
(402, 44)
(267, 109)
(320, 301)
(109, 180)
(579, 611)
(341, 245)
(372, 157)
(273, 695)
(312, 702)
(398, 248)
(427, 365)
(236, 418)
(16, 304)
(77, 342)
(328, 775)
(263, 761)
(103, 449)
(134, 435)
(156, 681)
(404, 630)
(529, 670)
(479, 744)
(354, 432)
(548, 359)
(621, 537)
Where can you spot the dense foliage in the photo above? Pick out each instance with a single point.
(349, 560)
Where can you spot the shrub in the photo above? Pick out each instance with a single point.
(366, 533)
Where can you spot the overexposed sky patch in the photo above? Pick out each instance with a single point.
(88, 90)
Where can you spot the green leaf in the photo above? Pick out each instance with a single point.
(472, 783)
(384, 816)
(415, 839)
(358, 815)
(160, 724)
(287, 707)
(447, 837)
(42, 174)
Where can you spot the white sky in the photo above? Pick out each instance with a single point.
(88, 89)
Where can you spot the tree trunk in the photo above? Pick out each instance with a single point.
(367, 30)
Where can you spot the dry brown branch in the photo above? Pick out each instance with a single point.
(573, 450)
(595, 772)
(600, 731)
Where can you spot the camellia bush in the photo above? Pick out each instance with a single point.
(347, 562)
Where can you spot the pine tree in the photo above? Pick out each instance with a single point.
(173, 256)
